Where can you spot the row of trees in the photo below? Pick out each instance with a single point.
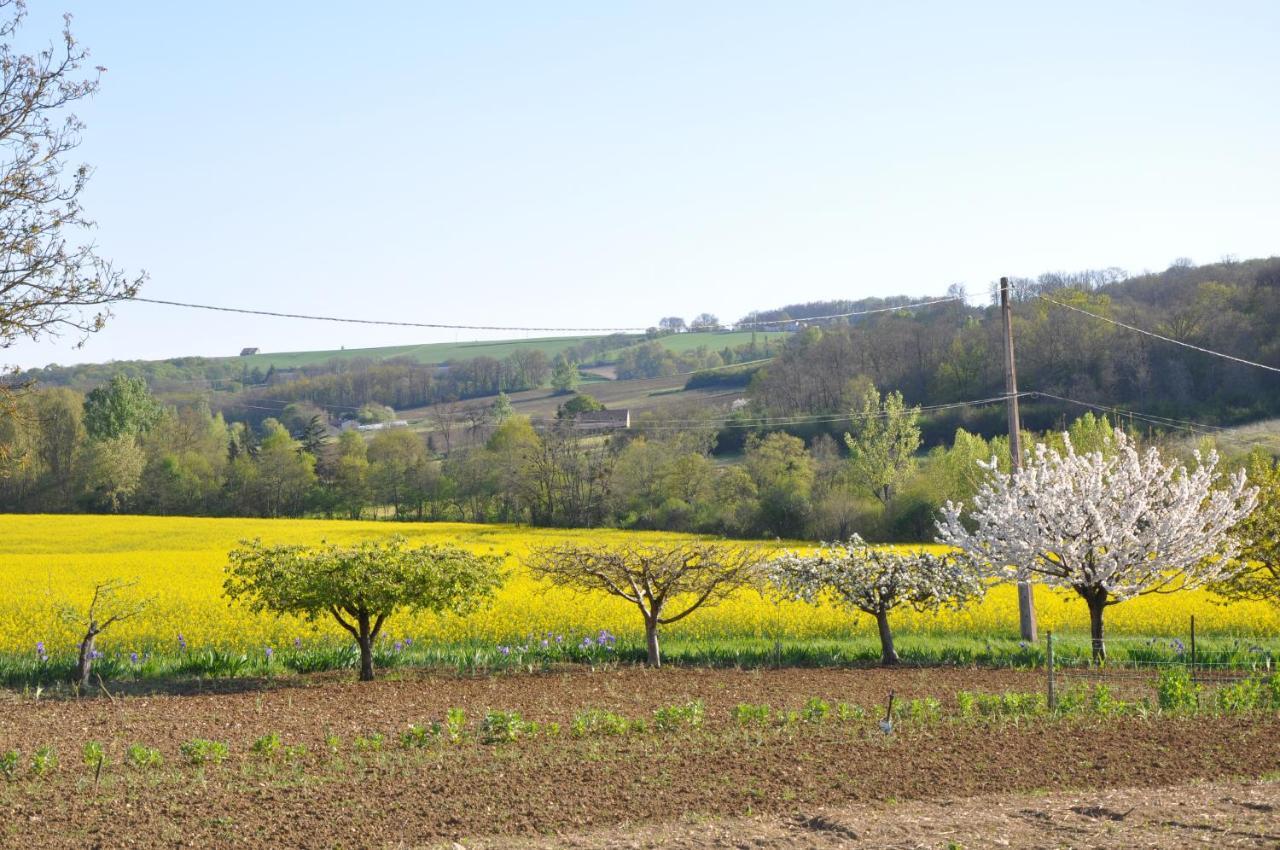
(118, 449)
(1108, 525)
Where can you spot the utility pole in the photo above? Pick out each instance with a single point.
(1026, 602)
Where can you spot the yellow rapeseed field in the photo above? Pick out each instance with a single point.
(48, 562)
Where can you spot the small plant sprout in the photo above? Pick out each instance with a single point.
(44, 761)
(672, 717)
(268, 746)
(142, 757)
(455, 724)
(93, 753)
(420, 735)
(371, 743)
(201, 751)
(598, 722)
(10, 763)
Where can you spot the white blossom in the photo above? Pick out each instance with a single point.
(875, 579)
(1108, 526)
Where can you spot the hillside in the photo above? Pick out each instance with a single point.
(428, 353)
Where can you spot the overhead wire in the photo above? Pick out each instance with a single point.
(520, 328)
(1158, 336)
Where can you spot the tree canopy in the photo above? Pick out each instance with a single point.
(360, 585)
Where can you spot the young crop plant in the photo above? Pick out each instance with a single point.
(268, 746)
(816, 710)
(93, 754)
(751, 714)
(202, 751)
(44, 761)
(685, 576)
(876, 580)
(362, 584)
(142, 757)
(1108, 526)
(595, 721)
(1175, 691)
(849, 712)
(672, 717)
(420, 735)
(371, 743)
(10, 763)
(500, 727)
(455, 724)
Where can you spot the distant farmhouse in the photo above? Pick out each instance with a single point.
(602, 420)
(246, 352)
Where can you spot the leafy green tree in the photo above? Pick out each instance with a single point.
(783, 473)
(564, 376)
(882, 444)
(1259, 575)
(351, 474)
(112, 471)
(580, 403)
(360, 585)
(397, 461)
(502, 409)
(276, 480)
(123, 406)
(373, 413)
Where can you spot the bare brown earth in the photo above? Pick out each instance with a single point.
(809, 785)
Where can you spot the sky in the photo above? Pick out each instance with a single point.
(607, 164)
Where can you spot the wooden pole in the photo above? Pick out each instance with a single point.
(1048, 651)
(1026, 602)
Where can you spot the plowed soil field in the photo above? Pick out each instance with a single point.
(543, 789)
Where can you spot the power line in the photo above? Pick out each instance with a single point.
(777, 421)
(750, 323)
(1150, 418)
(386, 322)
(1161, 336)
(458, 327)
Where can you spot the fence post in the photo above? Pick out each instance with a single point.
(1193, 647)
(1053, 695)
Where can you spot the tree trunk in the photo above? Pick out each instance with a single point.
(1097, 604)
(84, 664)
(365, 639)
(651, 642)
(366, 658)
(888, 655)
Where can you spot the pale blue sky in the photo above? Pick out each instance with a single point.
(610, 163)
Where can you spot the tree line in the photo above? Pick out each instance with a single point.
(119, 450)
(951, 352)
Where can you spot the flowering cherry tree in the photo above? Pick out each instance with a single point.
(1108, 526)
(876, 580)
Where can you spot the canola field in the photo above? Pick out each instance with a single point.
(50, 562)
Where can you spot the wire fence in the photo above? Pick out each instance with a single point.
(1134, 665)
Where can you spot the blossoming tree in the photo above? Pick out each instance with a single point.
(1108, 526)
(875, 580)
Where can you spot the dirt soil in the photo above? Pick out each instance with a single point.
(690, 786)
